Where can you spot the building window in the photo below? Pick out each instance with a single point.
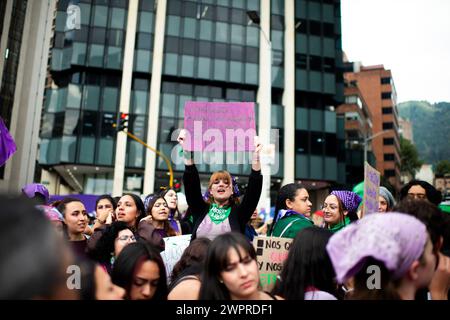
(386, 95)
(389, 173)
(387, 110)
(388, 125)
(388, 141)
(386, 80)
(389, 157)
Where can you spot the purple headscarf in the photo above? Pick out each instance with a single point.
(30, 191)
(396, 239)
(350, 199)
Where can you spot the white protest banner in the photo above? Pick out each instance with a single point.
(270, 255)
(371, 189)
(175, 247)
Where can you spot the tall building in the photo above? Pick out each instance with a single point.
(147, 58)
(377, 87)
(25, 29)
(358, 126)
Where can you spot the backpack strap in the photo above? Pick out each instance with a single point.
(288, 226)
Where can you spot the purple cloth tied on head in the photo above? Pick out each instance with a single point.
(350, 199)
(30, 190)
(396, 239)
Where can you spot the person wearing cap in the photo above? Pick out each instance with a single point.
(37, 192)
(340, 209)
(385, 200)
(387, 256)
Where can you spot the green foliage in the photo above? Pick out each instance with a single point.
(442, 168)
(409, 156)
(431, 129)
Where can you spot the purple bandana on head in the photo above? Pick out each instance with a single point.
(396, 239)
(350, 199)
(30, 190)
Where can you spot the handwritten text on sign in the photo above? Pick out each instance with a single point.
(219, 126)
(371, 189)
(271, 252)
(174, 248)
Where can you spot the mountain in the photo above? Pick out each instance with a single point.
(431, 128)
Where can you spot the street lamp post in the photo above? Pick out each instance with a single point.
(264, 97)
(367, 139)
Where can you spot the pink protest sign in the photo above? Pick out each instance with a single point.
(219, 126)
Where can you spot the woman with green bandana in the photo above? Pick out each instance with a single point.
(339, 209)
(221, 212)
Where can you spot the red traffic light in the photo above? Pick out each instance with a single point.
(123, 115)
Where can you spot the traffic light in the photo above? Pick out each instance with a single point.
(122, 121)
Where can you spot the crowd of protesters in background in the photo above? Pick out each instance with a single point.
(120, 253)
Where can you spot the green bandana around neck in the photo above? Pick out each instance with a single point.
(340, 225)
(218, 215)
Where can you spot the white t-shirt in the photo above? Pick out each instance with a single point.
(210, 230)
(319, 295)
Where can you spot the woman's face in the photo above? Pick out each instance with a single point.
(160, 210)
(221, 190)
(124, 238)
(75, 217)
(241, 277)
(330, 210)
(145, 281)
(417, 192)
(105, 289)
(127, 211)
(171, 198)
(301, 203)
(382, 204)
(104, 205)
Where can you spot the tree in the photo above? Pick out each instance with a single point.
(409, 156)
(442, 168)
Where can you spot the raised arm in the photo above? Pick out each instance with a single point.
(191, 179)
(251, 197)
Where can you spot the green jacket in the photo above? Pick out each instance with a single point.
(299, 222)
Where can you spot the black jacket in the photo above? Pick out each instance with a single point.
(239, 215)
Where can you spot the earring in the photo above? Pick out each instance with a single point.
(220, 280)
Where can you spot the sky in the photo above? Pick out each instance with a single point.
(409, 37)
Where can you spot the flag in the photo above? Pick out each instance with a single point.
(7, 144)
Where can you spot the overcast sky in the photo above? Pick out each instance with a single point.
(409, 37)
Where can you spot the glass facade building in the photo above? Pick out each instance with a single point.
(211, 53)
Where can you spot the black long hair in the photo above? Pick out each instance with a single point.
(433, 195)
(288, 191)
(139, 206)
(217, 261)
(127, 262)
(307, 264)
(167, 227)
(105, 244)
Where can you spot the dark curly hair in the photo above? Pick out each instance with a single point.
(105, 244)
(433, 195)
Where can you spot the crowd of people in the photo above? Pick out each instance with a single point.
(400, 252)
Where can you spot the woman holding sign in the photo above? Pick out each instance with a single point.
(221, 212)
